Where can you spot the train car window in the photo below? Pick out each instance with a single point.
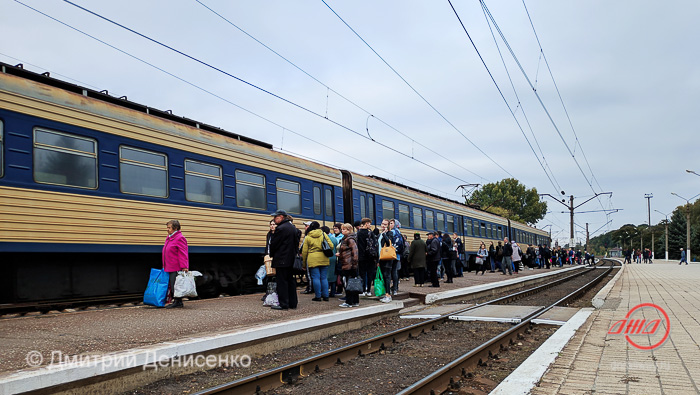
(65, 159)
(203, 182)
(363, 208)
(370, 201)
(317, 200)
(143, 172)
(467, 227)
(388, 210)
(441, 222)
(289, 196)
(329, 203)
(2, 162)
(404, 215)
(500, 233)
(483, 230)
(250, 190)
(418, 218)
(429, 220)
(450, 223)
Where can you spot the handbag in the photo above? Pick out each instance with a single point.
(299, 264)
(354, 285)
(327, 250)
(379, 289)
(157, 288)
(479, 261)
(268, 266)
(387, 253)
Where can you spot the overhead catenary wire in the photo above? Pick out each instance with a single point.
(329, 89)
(552, 178)
(539, 99)
(415, 90)
(222, 98)
(299, 106)
(556, 87)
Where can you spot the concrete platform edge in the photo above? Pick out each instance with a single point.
(600, 297)
(63, 373)
(524, 378)
(455, 293)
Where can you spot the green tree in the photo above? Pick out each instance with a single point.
(512, 200)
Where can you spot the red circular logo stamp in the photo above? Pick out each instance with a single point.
(650, 328)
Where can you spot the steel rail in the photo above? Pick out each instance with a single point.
(444, 378)
(46, 306)
(290, 373)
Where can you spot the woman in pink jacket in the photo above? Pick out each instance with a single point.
(175, 258)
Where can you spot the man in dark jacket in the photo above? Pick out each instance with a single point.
(284, 247)
(507, 262)
(367, 260)
(416, 257)
(448, 258)
(433, 258)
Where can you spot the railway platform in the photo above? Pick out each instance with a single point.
(36, 347)
(601, 359)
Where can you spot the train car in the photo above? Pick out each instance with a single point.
(418, 211)
(88, 181)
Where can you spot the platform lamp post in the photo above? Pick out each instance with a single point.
(687, 223)
(648, 197)
(665, 215)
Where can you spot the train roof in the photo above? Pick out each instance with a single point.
(122, 101)
(30, 88)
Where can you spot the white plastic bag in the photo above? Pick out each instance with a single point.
(260, 274)
(271, 300)
(184, 285)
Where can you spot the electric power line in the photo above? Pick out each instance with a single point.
(215, 95)
(334, 91)
(260, 89)
(415, 90)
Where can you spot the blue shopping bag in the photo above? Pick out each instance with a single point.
(157, 288)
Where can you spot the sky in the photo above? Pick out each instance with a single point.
(400, 90)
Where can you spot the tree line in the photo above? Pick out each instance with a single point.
(636, 236)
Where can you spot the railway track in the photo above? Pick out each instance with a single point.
(435, 382)
(44, 307)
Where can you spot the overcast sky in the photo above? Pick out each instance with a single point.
(627, 72)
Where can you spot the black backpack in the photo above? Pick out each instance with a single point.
(372, 247)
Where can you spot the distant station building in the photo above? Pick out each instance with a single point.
(615, 252)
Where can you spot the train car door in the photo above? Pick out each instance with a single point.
(328, 205)
(323, 204)
(367, 206)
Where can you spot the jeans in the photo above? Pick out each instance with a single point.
(433, 272)
(507, 263)
(319, 277)
(385, 267)
(368, 270)
(493, 264)
(395, 276)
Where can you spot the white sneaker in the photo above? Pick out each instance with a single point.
(356, 305)
(344, 305)
(385, 299)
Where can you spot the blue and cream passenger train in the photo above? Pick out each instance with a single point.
(88, 181)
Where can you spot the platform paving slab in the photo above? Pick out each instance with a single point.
(596, 362)
(497, 313)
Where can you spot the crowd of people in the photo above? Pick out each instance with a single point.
(639, 256)
(331, 258)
